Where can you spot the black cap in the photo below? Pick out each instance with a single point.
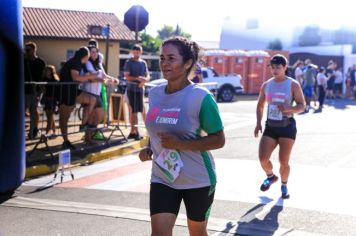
(278, 59)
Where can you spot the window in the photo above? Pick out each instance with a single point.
(70, 54)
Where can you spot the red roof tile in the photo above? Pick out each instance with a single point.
(54, 23)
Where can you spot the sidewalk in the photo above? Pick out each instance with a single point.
(41, 162)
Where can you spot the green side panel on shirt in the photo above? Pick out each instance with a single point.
(211, 123)
(209, 168)
(209, 116)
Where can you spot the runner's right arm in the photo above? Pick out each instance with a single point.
(259, 110)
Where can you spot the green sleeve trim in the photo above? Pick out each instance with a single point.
(209, 117)
(209, 168)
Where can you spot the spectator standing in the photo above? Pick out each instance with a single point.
(322, 84)
(34, 67)
(298, 73)
(330, 73)
(106, 90)
(136, 73)
(94, 89)
(308, 88)
(348, 83)
(72, 71)
(49, 98)
(353, 81)
(339, 81)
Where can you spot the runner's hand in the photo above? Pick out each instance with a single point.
(283, 108)
(258, 129)
(169, 141)
(145, 154)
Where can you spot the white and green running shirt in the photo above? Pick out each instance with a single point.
(189, 114)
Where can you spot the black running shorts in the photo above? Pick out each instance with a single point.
(198, 201)
(68, 94)
(135, 100)
(289, 131)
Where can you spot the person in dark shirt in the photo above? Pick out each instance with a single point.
(330, 73)
(33, 70)
(72, 71)
(136, 73)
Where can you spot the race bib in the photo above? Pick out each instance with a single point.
(170, 163)
(274, 113)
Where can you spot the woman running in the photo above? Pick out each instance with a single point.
(280, 92)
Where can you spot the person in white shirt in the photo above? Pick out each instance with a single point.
(298, 73)
(338, 83)
(93, 89)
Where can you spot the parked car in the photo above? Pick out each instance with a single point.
(227, 86)
(224, 87)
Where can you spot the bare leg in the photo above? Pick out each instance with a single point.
(131, 118)
(64, 114)
(285, 149)
(162, 224)
(134, 123)
(143, 113)
(267, 145)
(34, 116)
(197, 228)
(50, 122)
(89, 101)
(95, 118)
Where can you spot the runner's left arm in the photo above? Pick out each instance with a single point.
(210, 122)
(298, 97)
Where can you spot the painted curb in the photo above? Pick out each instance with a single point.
(110, 153)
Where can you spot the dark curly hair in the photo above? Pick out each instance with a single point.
(81, 52)
(187, 49)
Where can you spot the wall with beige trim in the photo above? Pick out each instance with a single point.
(53, 51)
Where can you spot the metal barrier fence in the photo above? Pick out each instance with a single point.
(48, 97)
(64, 109)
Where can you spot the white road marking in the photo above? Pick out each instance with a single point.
(215, 224)
(325, 189)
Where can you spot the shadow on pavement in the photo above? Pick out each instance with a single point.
(252, 224)
(6, 196)
(340, 103)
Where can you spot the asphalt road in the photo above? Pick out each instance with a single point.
(323, 168)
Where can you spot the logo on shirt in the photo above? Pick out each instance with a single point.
(276, 97)
(164, 116)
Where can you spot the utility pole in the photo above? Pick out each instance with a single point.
(107, 47)
(136, 23)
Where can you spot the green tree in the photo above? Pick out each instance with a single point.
(169, 31)
(165, 32)
(179, 32)
(149, 43)
(275, 45)
(310, 36)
